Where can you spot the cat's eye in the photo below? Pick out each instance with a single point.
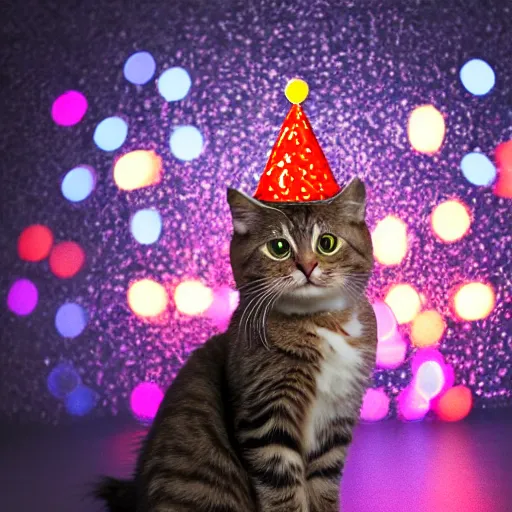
(328, 244)
(278, 249)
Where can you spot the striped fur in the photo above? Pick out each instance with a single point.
(260, 418)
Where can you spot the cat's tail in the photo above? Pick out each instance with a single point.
(119, 495)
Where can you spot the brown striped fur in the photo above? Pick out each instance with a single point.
(260, 418)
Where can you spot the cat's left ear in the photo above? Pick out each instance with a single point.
(352, 199)
(245, 211)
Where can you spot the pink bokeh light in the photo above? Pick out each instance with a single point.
(225, 301)
(375, 405)
(145, 401)
(69, 108)
(412, 406)
(391, 352)
(386, 321)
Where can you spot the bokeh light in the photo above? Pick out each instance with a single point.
(429, 379)
(174, 84)
(22, 297)
(110, 133)
(503, 155)
(147, 298)
(78, 184)
(455, 404)
(412, 406)
(35, 243)
(478, 169)
(375, 405)
(391, 352)
(69, 108)
(390, 241)
(477, 76)
(225, 301)
(146, 226)
(404, 301)
(145, 400)
(426, 129)
(474, 301)
(186, 143)
(139, 68)
(192, 298)
(81, 401)
(427, 329)
(66, 259)
(450, 221)
(296, 91)
(70, 320)
(386, 321)
(137, 169)
(63, 380)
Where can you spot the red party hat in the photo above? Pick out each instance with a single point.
(297, 170)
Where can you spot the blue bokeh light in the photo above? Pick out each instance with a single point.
(81, 401)
(146, 226)
(174, 84)
(110, 133)
(139, 68)
(186, 143)
(477, 76)
(78, 184)
(70, 320)
(478, 169)
(63, 380)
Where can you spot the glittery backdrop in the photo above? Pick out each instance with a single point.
(368, 66)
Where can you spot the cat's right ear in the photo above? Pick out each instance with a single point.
(245, 211)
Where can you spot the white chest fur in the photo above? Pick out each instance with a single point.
(338, 383)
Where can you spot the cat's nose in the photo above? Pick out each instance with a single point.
(307, 267)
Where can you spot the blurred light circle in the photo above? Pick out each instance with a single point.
(477, 76)
(404, 301)
(225, 301)
(474, 301)
(110, 133)
(427, 329)
(66, 259)
(450, 221)
(147, 298)
(137, 169)
(375, 405)
(426, 129)
(390, 241)
(35, 243)
(63, 380)
(192, 298)
(70, 320)
(174, 84)
(429, 379)
(455, 404)
(69, 108)
(503, 156)
(145, 400)
(146, 226)
(186, 143)
(391, 353)
(22, 297)
(478, 169)
(386, 321)
(412, 406)
(139, 68)
(81, 401)
(78, 184)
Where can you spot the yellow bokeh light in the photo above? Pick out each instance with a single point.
(450, 220)
(474, 301)
(404, 301)
(147, 298)
(192, 298)
(390, 241)
(426, 129)
(427, 329)
(296, 91)
(137, 169)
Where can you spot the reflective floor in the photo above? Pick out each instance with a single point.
(392, 467)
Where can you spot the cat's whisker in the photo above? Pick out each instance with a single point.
(268, 308)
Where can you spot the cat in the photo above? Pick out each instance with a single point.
(260, 418)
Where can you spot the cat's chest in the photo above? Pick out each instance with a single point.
(338, 382)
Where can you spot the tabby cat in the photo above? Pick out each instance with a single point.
(260, 417)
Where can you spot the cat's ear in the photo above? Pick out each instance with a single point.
(352, 199)
(245, 211)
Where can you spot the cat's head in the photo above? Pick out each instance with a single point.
(306, 257)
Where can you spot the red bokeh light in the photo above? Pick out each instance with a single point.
(66, 259)
(35, 243)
